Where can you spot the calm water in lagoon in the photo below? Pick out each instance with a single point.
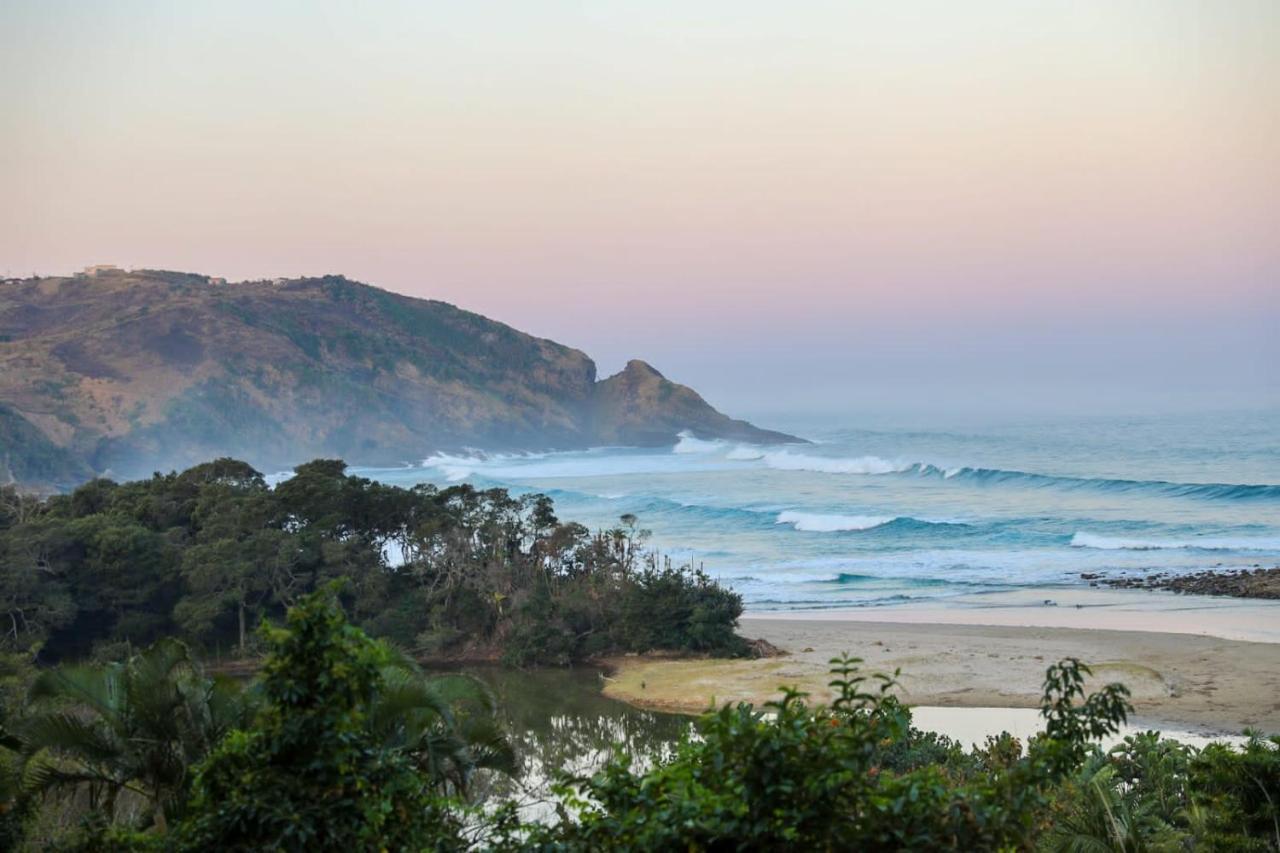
(559, 720)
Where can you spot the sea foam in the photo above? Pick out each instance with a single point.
(689, 443)
(786, 460)
(1114, 543)
(822, 523)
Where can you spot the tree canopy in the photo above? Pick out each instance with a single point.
(207, 553)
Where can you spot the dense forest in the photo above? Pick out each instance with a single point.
(206, 554)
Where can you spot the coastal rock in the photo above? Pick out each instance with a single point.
(638, 406)
(1243, 583)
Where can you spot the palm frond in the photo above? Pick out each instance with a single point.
(67, 734)
(96, 687)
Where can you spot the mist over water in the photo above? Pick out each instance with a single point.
(882, 511)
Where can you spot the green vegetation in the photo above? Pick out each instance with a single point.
(280, 372)
(324, 766)
(341, 741)
(206, 554)
(341, 746)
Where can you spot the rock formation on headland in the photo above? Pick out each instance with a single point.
(130, 372)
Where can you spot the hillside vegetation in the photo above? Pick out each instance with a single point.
(129, 372)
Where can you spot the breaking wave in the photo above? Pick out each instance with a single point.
(815, 522)
(786, 460)
(1115, 543)
(1207, 491)
(689, 443)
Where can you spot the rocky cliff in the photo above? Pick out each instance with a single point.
(641, 407)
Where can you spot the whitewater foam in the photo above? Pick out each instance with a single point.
(786, 460)
(689, 443)
(1112, 543)
(454, 468)
(821, 523)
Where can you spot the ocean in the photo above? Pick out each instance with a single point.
(883, 511)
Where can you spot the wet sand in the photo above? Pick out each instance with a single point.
(1185, 681)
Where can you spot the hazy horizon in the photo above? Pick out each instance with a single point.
(818, 208)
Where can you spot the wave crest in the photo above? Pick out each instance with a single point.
(813, 522)
(690, 443)
(1083, 539)
(817, 522)
(785, 460)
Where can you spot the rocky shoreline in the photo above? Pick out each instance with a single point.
(1242, 583)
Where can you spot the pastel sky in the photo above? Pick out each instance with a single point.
(824, 205)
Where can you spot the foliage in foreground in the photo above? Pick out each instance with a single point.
(310, 774)
(335, 721)
(207, 553)
(852, 775)
(323, 764)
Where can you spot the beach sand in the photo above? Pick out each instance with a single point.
(1181, 675)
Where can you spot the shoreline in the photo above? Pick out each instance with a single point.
(1187, 679)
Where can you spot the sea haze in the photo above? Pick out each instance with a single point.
(880, 512)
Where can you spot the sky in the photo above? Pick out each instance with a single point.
(820, 206)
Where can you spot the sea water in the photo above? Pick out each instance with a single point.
(882, 510)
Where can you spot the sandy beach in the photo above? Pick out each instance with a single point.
(1199, 664)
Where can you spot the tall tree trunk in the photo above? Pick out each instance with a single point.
(242, 627)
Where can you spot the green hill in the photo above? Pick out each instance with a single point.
(129, 372)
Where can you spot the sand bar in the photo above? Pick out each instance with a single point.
(1252, 620)
(1181, 676)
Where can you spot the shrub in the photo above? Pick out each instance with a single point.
(850, 776)
(309, 774)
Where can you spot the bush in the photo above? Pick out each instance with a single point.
(850, 776)
(309, 774)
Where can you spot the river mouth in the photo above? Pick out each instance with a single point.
(559, 721)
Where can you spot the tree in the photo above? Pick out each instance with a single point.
(238, 561)
(447, 726)
(309, 773)
(136, 726)
(826, 778)
(34, 601)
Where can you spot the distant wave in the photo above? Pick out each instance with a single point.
(1114, 543)
(786, 460)
(689, 443)
(454, 468)
(1210, 491)
(820, 523)
(814, 522)
(696, 452)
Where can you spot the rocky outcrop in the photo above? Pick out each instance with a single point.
(640, 407)
(1242, 583)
